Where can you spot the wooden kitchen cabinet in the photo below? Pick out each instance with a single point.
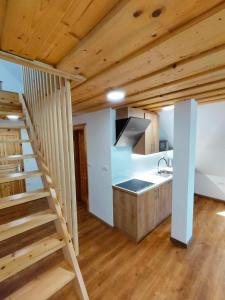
(146, 213)
(152, 134)
(127, 112)
(137, 215)
(164, 202)
(125, 212)
(149, 143)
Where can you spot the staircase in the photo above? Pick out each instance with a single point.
(37, 257)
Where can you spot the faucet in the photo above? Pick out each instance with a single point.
(162, 158)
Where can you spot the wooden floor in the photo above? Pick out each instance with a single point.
(115, 268)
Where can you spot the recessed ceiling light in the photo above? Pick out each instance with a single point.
(171, 107)
(13, 117)
(116, 95)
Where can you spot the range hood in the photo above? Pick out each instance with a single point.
(130, 130)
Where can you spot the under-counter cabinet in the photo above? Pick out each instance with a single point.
(139, 214)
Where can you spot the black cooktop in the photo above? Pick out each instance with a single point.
(135, 185)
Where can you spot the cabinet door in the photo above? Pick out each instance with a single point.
(146, 212)
(164, 203)
(152, 134)
(125, 212)
(168, 203)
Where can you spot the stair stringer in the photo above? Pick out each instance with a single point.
(54, 204)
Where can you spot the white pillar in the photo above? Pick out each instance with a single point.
(185, 120)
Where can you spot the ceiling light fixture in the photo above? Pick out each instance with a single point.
(13, 117)
(171, 107)
(116, 95)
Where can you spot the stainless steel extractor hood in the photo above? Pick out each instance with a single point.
(130, 130)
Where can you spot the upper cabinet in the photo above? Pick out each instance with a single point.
(127, 112)
(149, 143)
(151, 137)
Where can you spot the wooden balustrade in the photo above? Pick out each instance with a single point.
(48, 101)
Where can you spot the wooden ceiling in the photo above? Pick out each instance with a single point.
(158, 51)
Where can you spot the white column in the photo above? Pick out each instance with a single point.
(185, 120)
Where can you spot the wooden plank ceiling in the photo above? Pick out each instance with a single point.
(158, 51)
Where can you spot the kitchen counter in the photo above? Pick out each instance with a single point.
(149, 176)
(138, 213)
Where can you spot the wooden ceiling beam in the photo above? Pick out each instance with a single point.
(183, 83)
(215, 99)
(158, 92)
(47, 30)
(190, 40)
(220, 98)
(208, 61)
(88, 109)
(130, 26)
(215, 93)
(182, 93)
(39, 66)
(2, 17)
(163, 101)
(74, 26)
(205, 79)
(29, 25)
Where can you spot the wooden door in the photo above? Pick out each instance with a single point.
(6, 149)
(80, 157)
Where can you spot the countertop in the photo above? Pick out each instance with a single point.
(150, 176)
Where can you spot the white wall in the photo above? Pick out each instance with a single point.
(185, 123)
(126, 165)
(33, 183)
(166, 126)
(210, 160)
(100, 135)
(210, 148)
(11, 76)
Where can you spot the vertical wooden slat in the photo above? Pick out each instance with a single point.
(65, 145)
(61, 150)
(39, 113)
(72, 166)
(56, 141)
(50, 157)
(43, 108)
(48, 100)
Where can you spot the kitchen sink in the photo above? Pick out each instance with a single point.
(162, 174)
(165, 172)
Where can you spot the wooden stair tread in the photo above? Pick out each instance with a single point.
(21, 225)
(18, 176)
(25, 257)
(18, 157)
(17, 199)
(45, 285)
(14, 141)
(7, 113)
(12, 126)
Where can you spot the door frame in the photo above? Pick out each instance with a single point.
(83, 127)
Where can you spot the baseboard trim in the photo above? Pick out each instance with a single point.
(209, 198)
(104, 222)
(181, 244)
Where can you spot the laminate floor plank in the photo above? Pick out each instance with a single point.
(115, 268)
